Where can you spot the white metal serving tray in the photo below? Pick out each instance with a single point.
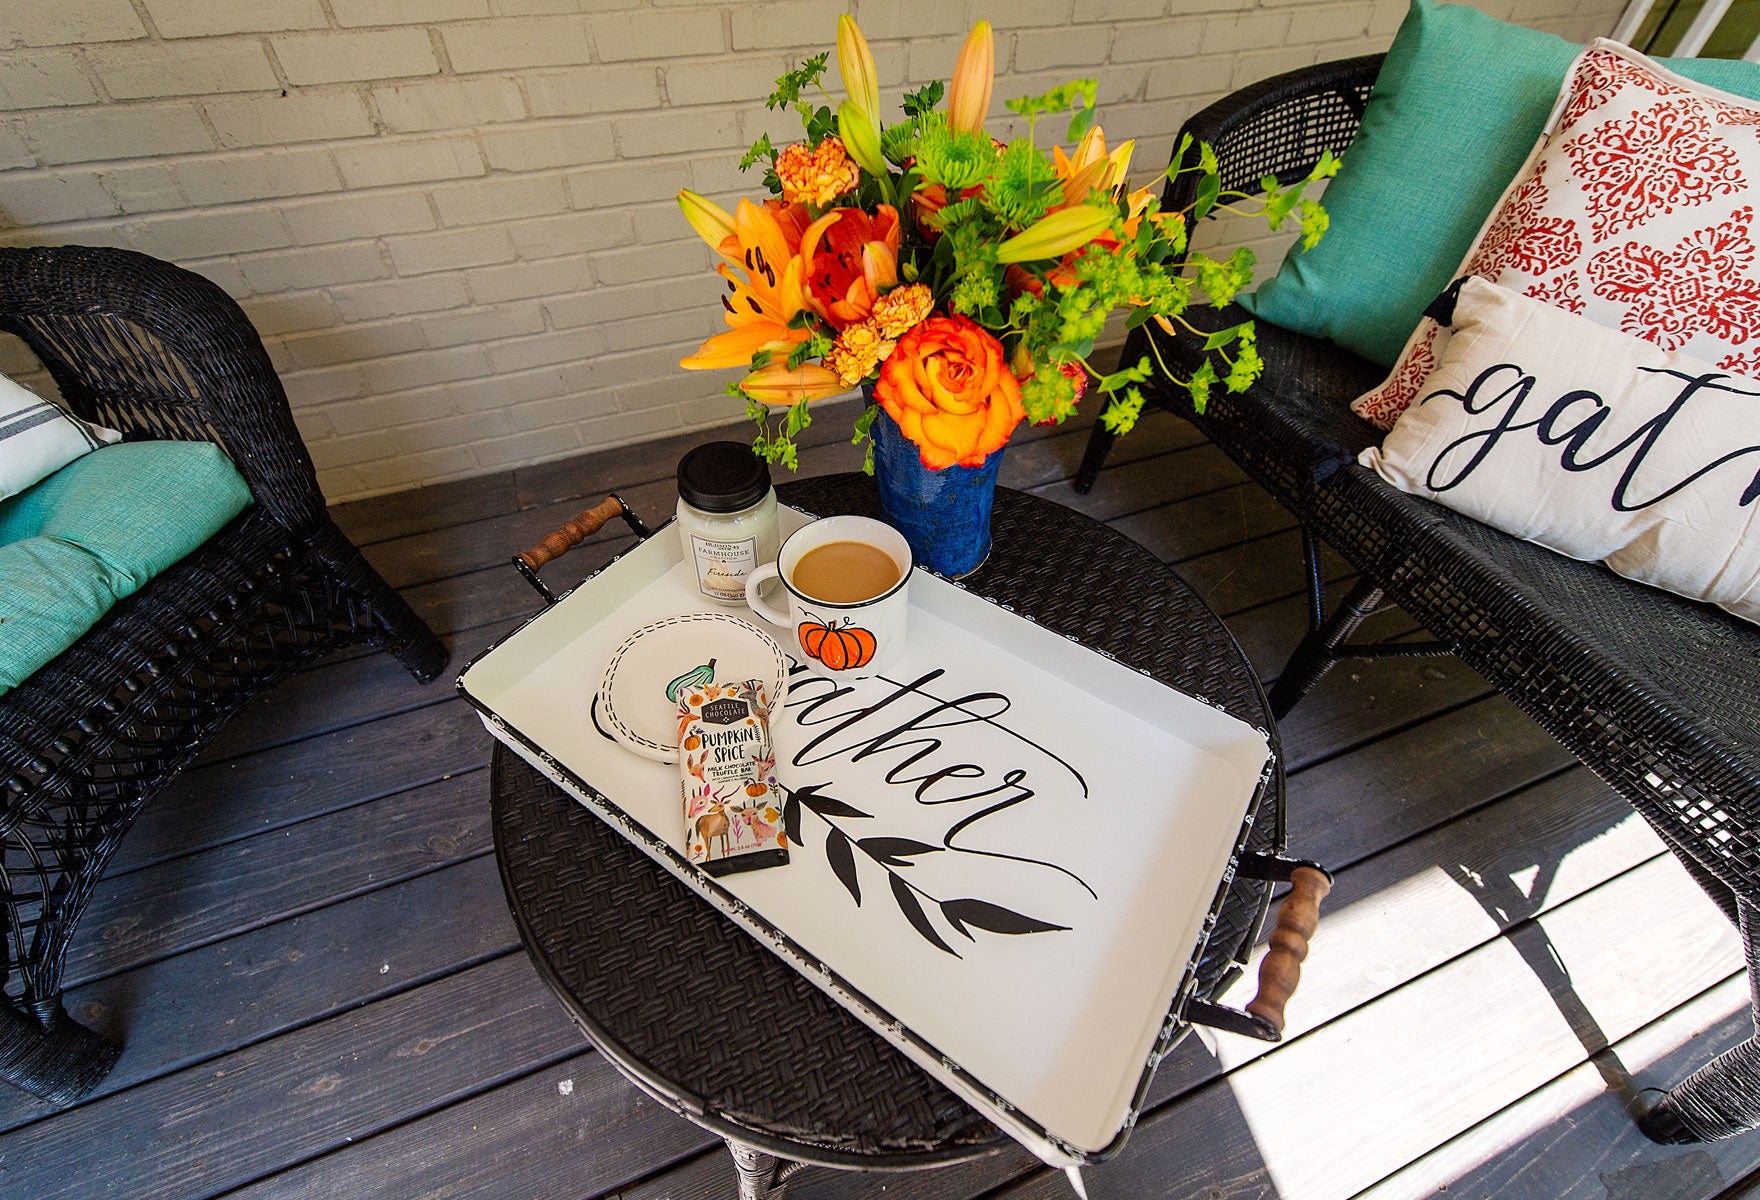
(1011, 847)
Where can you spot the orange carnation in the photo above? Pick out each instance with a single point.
(817, 175)
(950, 391)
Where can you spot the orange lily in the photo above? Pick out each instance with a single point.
(851, 257)
(968, 93)
(780, 385)
(759, 306)
(1091, 167)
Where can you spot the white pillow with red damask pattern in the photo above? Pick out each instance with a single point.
(1636, 210)
(1591, 442)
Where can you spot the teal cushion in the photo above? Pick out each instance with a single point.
(97, 530)
(1460, 102)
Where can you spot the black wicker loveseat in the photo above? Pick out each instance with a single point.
(159, 353)
(1654, 693)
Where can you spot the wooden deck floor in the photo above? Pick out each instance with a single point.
(305, 946)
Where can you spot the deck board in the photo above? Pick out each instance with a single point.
(305, 946)
(204, 1002)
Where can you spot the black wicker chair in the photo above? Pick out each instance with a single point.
(151, 349)
(1652, 692)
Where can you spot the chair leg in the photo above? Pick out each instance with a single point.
(54, 1058)
(1317, 652)
(408, 637)
(404, 634)
(1099, 446)
(1721, 1098)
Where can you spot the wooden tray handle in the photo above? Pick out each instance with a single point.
(572, 533)
(1297, 918)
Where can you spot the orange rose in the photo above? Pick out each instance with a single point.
(950, 391)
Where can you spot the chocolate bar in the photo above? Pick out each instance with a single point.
(727, 778)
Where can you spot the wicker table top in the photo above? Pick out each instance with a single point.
(722, 1031)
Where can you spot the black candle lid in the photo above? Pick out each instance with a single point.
(721, 477)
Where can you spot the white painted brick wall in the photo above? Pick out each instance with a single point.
(452, 220)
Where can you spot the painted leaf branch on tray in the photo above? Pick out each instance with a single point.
(966, 279)
(891, 854)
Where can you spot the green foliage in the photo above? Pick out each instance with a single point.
(1315, 223)
(1221, 281)
(778, 446)
(790, 85)
(1078, 124)
(1281, 201)
(1078, 93)
(761, 150)
(1122, 410)
(817, 346)
(1174, 229)
(1049, 395)
(863, 433)
(1209, 189)
(1126, 375)
(1226, 337)
(1247, 366)
(820, 122)
(975, 292)
(1199, 386)
(923, 101)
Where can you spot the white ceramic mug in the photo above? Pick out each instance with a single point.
(848, 640)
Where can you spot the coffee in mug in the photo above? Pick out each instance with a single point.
(845, 572)
(844, 581)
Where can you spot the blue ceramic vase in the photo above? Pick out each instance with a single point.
(944, 514)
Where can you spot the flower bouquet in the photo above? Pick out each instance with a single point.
(959, 280)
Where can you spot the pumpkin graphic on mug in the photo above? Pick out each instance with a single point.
(844, 647)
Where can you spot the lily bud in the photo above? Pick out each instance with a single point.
(713, 223)
(776, 384)
(856, 62)
(1120, 160)
(879, 266)
(968, 94)
(861, 137)
(1056, 234)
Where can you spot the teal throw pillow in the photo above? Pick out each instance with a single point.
(98, 530)
(1458, 105)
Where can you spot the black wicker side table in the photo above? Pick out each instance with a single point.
(697, 1014)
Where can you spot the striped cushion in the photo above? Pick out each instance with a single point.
(38, 438)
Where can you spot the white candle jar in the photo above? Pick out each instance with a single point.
(726, 517)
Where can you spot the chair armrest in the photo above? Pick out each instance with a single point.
(160, 352)
(1278, 126)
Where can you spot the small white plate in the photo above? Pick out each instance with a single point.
(634, 704)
